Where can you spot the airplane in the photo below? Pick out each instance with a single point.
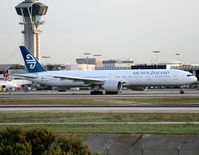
(11, 83)
(111, 81)
(6, 84)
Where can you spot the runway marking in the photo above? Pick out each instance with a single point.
(102, 109)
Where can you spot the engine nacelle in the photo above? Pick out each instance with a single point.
(112, 87)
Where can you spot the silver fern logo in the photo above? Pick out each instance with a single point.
(30, 60)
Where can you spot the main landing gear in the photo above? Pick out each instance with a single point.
(96, 92)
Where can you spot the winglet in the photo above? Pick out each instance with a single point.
(32, 64)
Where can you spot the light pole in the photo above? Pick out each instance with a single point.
(87, 54)
(46, 57)
(156, 56)
(177, 55)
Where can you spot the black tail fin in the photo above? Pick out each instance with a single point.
(32, 64)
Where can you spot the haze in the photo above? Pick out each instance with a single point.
(112, 28)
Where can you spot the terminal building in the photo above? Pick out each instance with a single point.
(120, 64)
(89, 63)
(104, 64)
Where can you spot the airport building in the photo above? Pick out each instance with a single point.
(12, 68)
(57, 67)
(120, 64)
(31, 12)
(89, 63)
(104, 64)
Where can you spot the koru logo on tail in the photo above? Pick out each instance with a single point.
(30, 60)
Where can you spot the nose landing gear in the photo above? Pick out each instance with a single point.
(182, 90)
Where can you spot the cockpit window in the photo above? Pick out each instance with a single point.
(189, 75)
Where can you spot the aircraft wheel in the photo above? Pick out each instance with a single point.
(96, 93)
(111, 93)
(181, 92)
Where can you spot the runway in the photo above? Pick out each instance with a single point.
(164, 93)
(85, 94)
(102, 109)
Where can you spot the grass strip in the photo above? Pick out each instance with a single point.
(56, 102)
(123, 129)
(101, 101)
(97, 117)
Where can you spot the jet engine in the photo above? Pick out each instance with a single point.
(112, 87)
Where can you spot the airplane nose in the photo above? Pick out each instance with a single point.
(195, 79)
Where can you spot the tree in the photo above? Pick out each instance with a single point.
(13, 141)
(72, 145)
(40, 139)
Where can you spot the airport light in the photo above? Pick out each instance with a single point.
(87, 54)
(156, 56)
(97, 55)
(46, 57)
(177, 55)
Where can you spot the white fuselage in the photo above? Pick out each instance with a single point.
(163, 77)
(21, 82)
(14, 83)
(7, 84)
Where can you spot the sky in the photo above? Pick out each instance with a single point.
(112, 28)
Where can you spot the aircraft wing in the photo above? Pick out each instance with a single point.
(80, 79)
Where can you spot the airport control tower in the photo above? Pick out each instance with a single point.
(31, 12)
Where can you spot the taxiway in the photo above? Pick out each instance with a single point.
(85, 94)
